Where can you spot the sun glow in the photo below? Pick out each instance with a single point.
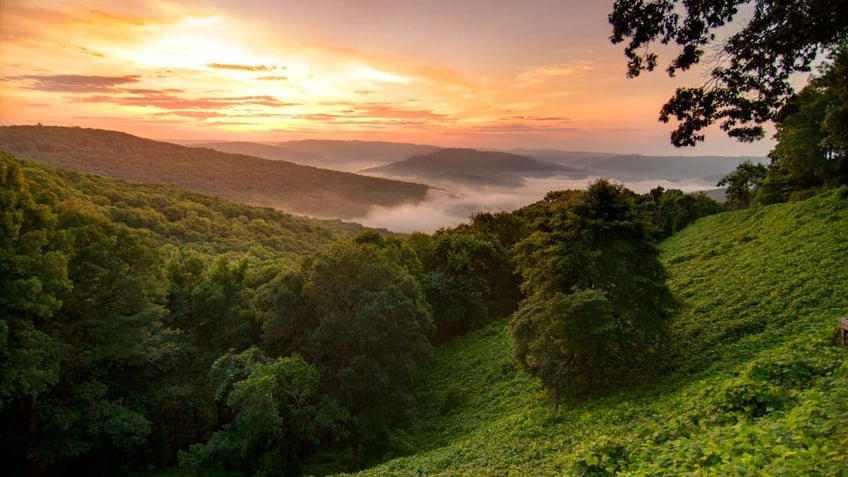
(192, 69)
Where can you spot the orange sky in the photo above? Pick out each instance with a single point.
(480, 73)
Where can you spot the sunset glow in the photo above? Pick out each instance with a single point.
(535, 74)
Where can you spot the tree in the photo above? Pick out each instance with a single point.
(673, 209)
(597, 302)
(366, 324)
(271, 404)
(460, 272)
(564, 337)
(80, 309)
(742, 184)
(812, 148)
(749, 80)
(33, 274)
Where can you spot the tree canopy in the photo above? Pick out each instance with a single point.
(749, 76)
(596, 293)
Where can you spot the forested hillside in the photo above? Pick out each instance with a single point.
(754, 384)
(145, 327)
(282, 185)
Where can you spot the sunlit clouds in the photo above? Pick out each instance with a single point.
(446, 73)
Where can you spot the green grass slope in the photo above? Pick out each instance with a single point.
(755, 385)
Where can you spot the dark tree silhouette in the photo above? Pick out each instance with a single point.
(749, 81)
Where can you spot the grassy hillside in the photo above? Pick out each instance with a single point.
(281, 185)
(754, 387)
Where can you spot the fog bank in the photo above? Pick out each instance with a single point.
(454, 204)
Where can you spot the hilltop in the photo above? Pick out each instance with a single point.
(254, 181)
(626, 167)
(473, 167)
(266, 151)
(357, 155)
(755, 385)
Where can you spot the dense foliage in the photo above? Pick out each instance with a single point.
(596, 301)
(811, 154)
(749, 81)
(144, 327)
(116, 300)
(758, 387)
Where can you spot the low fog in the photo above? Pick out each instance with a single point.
(451, 204)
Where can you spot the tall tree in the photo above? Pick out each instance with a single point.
(749, 81)
(363, 320)
(597, 300)
(271, 404)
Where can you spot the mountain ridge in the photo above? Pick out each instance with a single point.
(282, 185)
(473, 167)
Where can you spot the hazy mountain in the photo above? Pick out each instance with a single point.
(279, 184)
(357, 155)
(638, 167)
(473, 167)
(268, 151)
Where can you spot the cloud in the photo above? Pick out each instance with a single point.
(191, 114)
(375, 114)
(165, 99)
(454, 204)
(273, 78)
(544, 73)
(537, 118)
(75, 83)
(228, 66)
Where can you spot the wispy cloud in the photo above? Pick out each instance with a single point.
(543, 73)
(174, 102)
(74, 83)
(226, 66)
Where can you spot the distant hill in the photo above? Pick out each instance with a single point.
(638, 167)
(282, 185)
(474, 167)
(268, 151)
(357, 155)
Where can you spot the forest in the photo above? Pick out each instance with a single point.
(146, 327)
(148, 330)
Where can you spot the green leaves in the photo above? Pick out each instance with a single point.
(596, 293)
(752, 82)
(272, 402)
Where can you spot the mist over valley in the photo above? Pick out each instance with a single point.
(464, 181)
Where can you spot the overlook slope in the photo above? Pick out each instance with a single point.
(755, 385)
(278, 184)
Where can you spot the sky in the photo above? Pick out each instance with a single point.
(494, 74)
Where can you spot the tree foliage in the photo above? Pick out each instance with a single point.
(271, 405)
(812, 149)
(742, 184)
(358, 313)
(596, 292)
(749, 79)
